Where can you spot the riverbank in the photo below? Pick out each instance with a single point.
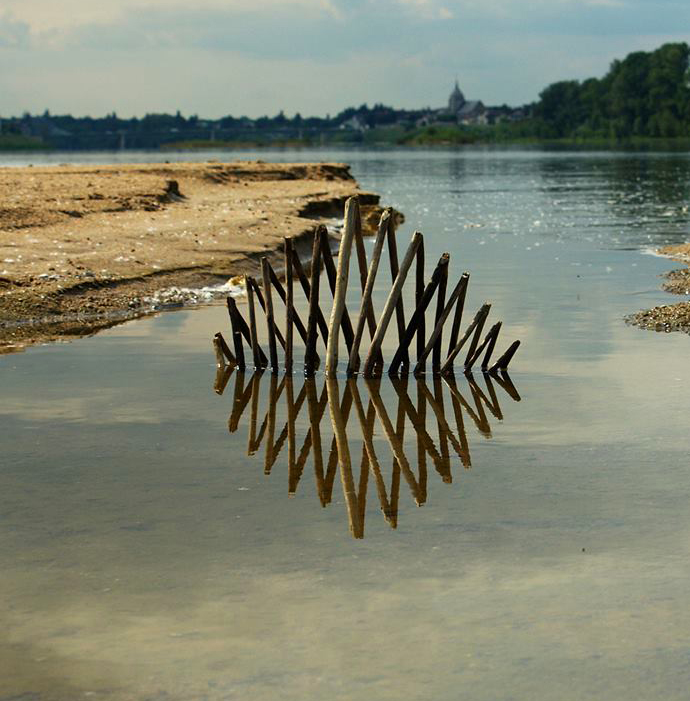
(670, 317)
(84, 248)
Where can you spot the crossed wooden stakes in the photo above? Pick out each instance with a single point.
(410, 332)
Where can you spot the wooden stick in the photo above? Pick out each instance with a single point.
(475, 340)
(493, 331)
(235, 322)
(353, 363)
(492, 345)
(432, 344)
(504, 360)
(390, 305)
(263, 304)
(351, 215)
(457, 320)
(258, 359)
(314, 309)
(363, 268)
(416, 324)
(331, 273)
(270, 320)
(299, 325)
(418, 296)
(225, 350)
(447, 367)
(289, 301)
(306, 287)
(440, 307)
(220, 358)
(399, 307)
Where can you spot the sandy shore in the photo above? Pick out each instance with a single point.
(83, 248)
(670, 317)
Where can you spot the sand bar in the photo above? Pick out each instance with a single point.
(83, 248)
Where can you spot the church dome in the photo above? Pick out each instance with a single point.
(456, 99)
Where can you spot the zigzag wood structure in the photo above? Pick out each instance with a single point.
(339, 317)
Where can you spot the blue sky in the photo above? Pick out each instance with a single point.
(254, 57)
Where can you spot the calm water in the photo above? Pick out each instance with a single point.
(146, 555)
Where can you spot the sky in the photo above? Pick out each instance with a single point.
(315, 57)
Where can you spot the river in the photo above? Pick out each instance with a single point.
(146, 555)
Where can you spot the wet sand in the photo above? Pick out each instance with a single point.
(83, 248)
(670, 317)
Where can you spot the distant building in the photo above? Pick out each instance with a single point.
(465, 111)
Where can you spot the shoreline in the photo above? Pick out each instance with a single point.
(86, 248)
(669, 317)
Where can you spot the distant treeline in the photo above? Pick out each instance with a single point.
(644, 96)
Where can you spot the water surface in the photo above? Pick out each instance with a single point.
(145, 555)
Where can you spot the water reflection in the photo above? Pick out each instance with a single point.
(363, 426)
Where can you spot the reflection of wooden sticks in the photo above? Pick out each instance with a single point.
(239, 401)
(420, 426)
(338, 309)
(222, 377)
(459, 422)
(254, 440)
(480, 316)
(295, 467)
(332, 274)
(270, 319)
(504, 360)
(399, 306)
(491, 404)
(507, 384)
(366, 425)
(315, 436)
(289, 302)
(457, 294)
(393, 440)
(421, 451)
(272, 449)
(314, 309)
(417, 324)
(481, 427)
(443, 427)
(390, 305)
(484, 426)
(344, 459)
(353, 363)
(258, 360)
